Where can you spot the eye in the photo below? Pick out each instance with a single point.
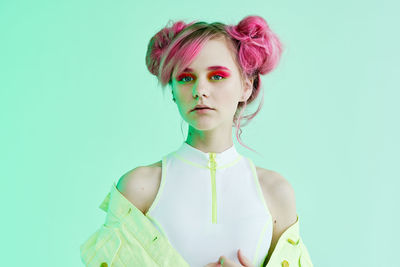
(221, 77)
(182, 78)
(185, 78)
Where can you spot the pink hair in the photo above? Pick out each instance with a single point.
(255, 48)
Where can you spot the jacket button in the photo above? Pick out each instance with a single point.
(103, 264)
(291, 241)
(285, 263)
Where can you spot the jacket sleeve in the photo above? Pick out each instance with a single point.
(126, 239)
(101, 248)
(290, 252)
(304, 259)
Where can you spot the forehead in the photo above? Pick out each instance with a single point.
(215, 52)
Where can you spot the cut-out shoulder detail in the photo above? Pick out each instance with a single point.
(280, 197)
(140, 186)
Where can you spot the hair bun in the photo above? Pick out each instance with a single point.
(159, 43)
(252, 27)
(260, 48)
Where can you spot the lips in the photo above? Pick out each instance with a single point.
(197, 107)
(201, 109)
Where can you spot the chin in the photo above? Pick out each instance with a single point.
(205, 125)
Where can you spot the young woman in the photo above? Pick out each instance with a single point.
(205, 198)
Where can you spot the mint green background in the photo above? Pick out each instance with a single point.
(78, 109)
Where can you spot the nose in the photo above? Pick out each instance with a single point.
(200, 88)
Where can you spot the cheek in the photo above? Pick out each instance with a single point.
(181, 95)
(227, 104)
(229, 97)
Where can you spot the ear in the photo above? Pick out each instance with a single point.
(247, 89)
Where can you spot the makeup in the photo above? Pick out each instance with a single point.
(222, 74)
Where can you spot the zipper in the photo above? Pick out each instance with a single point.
(212, 165)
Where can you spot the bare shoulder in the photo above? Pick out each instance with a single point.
(280, 198)
(277, 187)
(140, 185)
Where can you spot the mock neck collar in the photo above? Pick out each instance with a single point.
(197, 157)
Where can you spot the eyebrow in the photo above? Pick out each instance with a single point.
(209, 68)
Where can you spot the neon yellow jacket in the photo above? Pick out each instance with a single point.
(128, 238)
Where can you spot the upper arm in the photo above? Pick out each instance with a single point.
(282, 202)
(135, 186)
(284, 198)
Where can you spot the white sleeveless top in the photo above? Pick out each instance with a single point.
(211, 204)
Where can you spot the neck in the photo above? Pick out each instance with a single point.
(209, 141)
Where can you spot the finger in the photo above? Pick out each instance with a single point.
(226, 262)
(222, 261)
(243, 260)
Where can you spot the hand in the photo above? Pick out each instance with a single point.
(228, 263)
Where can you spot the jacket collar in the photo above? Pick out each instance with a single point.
(198, 158)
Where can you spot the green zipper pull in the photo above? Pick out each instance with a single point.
(212, 164)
